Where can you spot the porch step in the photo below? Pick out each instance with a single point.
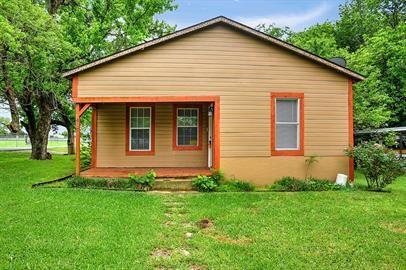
(173, 184)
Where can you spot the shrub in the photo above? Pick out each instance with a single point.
(79, 182)
(312, 184)
(288, 184)
(204, 183)
(85, 155)
(217, 176)
(144, 182)
(235, 186)
(380, 165)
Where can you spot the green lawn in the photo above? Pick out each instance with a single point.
(73, 228)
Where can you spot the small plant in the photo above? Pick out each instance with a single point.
(312, 184)
(143, 182)
(217, 176)
(309, 162)
(380, 165)
(204, 183)
(235, 186)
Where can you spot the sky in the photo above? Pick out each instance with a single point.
(297, 14)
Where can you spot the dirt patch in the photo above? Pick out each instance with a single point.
(204, 223)
(397, 228)
(161, 253)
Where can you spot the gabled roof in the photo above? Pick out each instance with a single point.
(236, 25)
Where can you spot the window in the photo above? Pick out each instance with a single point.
(140, 123)
(187, 129)
(287, 124)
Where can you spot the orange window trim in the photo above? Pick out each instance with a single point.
(127, 130)
(175, 145)
(274, 151)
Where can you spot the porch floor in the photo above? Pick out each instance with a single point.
(161, 172)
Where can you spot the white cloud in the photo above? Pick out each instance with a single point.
(293, 20)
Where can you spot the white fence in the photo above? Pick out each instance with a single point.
(23, 141)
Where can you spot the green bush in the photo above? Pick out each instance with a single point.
(204, 183)
(79, 182)
(380, 165)
(314, 184)
(293, 184)
(144, 182)
(288, 184)
(235, 186)
(85, 155)
(217, 176)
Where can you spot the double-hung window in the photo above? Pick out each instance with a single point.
(187, 128)
(287, 124)
(140, 130)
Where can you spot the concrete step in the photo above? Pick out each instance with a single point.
(173, 184)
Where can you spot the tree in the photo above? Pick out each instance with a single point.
(35, 51)
(279, 32)
(39, 39)
(97, 28)
(381, 98)
(360, 19)
(319, 39)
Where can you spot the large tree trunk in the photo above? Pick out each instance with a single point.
(38, 128)
(71, 139)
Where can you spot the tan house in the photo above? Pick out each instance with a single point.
(216, 95)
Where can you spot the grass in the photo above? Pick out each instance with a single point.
(74, 228)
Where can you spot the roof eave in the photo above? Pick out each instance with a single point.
(355, 76)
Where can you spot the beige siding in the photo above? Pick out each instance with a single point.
(111, 140)
(243, 71)
(262, 171)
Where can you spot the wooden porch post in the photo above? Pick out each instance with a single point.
(94, 136)
(77, 138)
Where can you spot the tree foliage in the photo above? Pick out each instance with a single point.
(33, 50)
(40, 39)
(371, 36)
(279, 32)
(319, 39)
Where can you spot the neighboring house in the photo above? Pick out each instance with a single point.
(217, 95)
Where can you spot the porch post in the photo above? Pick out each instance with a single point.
(77, 139)
(94, 136)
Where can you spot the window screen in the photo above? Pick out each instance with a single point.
(187, 124)
(140, 129)
(287, 124)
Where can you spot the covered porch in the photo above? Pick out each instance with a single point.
(177, 137)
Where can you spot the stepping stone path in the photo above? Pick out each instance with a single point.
(175, 226)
